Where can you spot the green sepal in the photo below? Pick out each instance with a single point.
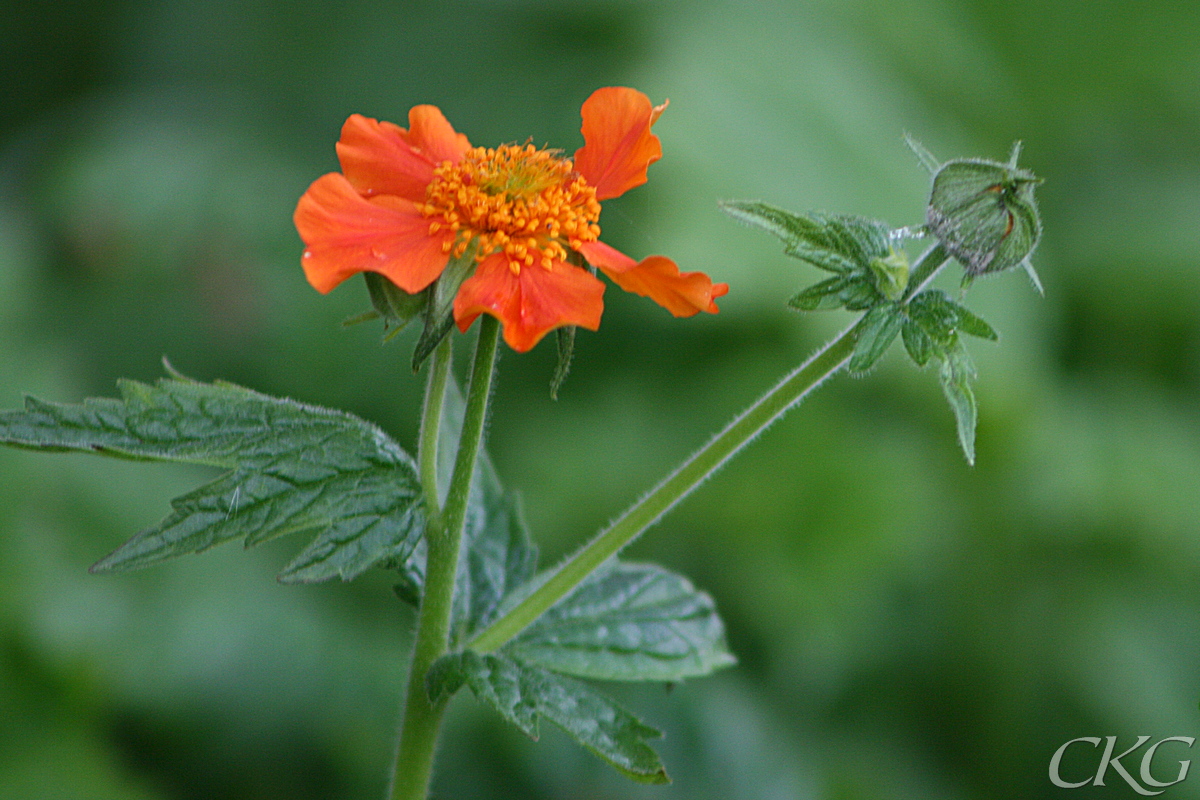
(439, 309)
(927, 159)
(955, 374)
(628, 622)
(396, 306)
(521, 693)
(565, 337)
(878, 328)
(291, 467)
(359, 319)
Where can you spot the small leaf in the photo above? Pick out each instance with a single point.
(860, 295)
(973, 325)
(942, 318)
(292, 467)
(628, 622)
(396, 306)
(918, 344)
(821, 296)
(878, 328)
(566, 349)
(522, 693)
(842, 244)
(956, 374)
(439, 310)
(891, 275)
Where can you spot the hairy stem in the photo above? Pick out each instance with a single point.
(431, 422)
(422, 719)
(702, 464)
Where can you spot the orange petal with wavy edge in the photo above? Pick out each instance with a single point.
(383, 158)
(344, 234)
(618, 145)
(532, 302)
(657, 277)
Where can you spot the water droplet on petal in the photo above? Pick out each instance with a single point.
(308, 254)
(379, 254)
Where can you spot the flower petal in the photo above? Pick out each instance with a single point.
(383, 158)
(344, 233)
(618, 145)
(430, 133)
(657, 277)
(531, 302)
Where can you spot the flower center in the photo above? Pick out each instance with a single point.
(526, 202)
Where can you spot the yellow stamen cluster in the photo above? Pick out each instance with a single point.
(526, 202)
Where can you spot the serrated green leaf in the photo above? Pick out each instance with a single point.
(956, 374)
(860, 295)
(522, 693)
(396, 306)
(878, 328)
(439, 310)
(973, 325)
(628, 622)
(821, 296)
(566, 350)
(842, 244)
(918, 344)
(937, 317)
(942, 318)
(292, 467)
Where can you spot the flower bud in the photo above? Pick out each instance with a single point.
(984, 214)
(890, 274)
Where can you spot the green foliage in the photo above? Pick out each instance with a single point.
(522, 693)
(873, 277)
(878, 328)
(868, 270)
(931, 326)
(842, 244)
(628, 622)
(955, 375)
(292, 467)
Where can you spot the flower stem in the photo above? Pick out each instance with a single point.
(431, 422)
(702, 464)
(422, 719)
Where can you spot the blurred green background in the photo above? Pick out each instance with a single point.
(908, 627)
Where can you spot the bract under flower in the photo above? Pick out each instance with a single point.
(409, 200)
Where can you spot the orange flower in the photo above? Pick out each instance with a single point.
(407, 201)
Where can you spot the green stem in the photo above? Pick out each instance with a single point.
(787, 393)
(431, 421)
(422, 719)
(925, 270)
